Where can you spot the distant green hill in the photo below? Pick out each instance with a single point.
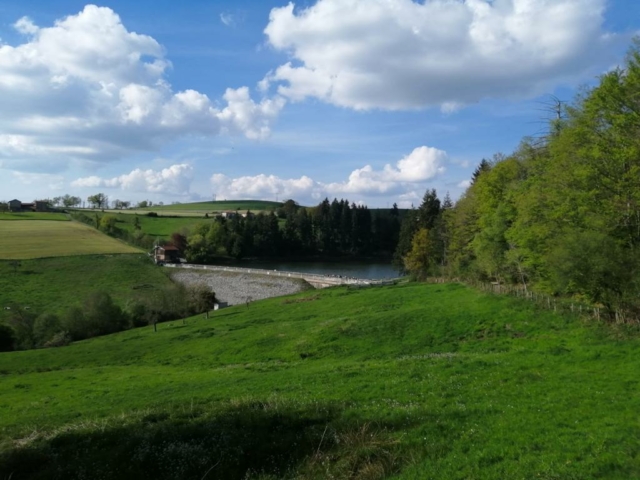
(407, 382)
(219, 206)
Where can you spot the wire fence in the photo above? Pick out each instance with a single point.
(548, 302)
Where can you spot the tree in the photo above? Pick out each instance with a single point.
(22, 321)
(69, 201)
(142, 204)
(46, 326)
(108, 224)
(99, 200)
(419, 258)
(483, 166)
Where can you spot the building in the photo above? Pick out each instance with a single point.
(166, 254)
(248, 214)
(37, 206)
(229, 214)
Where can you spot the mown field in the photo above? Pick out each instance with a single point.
(48, 238)
(33, 216)
(54, 284)
(407, 382)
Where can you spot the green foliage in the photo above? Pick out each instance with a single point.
(561, 215)
(420, 257)
(53, 285)
(46, 326)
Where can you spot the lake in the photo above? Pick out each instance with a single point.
(357, 269)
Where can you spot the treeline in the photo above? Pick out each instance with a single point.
(330, 229)
(100, 315)
(561, 214)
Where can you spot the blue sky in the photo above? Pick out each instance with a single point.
(374, 101)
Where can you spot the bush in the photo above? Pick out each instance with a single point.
(45, 327)
(7, 338)
(60, 339)
(152, 214)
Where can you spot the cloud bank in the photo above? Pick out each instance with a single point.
(88, 89)
(403, 54)
(421, 165)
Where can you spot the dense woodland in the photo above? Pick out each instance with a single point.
(561, 214)
(330, 229)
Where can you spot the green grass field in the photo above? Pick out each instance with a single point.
(219, 206)
(33, 216)
(46, 238)
(198, 209)
(159, 226)
(407, 382)
(54, 284)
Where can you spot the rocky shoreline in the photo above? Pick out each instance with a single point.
(235, 288)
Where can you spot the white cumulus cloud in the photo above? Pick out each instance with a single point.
(420, 166)
(87, 88)
(174, 180)
(403, 54)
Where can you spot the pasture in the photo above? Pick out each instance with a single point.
(33, 216)
(54, 284)
(49, 238)
(198, 209)
(406, 382)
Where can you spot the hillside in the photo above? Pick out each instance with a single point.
(38, 238)
(406, 382)
(55, 284)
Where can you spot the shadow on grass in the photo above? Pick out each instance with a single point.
(264, 440)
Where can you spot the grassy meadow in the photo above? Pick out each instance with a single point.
(161, 227)
(55, 284)
(32, 216)
(50, 238)
(198, 209)
(413, 381)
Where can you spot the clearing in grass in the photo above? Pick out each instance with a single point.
(46, 238)
(405, 382)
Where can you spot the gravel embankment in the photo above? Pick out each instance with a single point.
(234, 288)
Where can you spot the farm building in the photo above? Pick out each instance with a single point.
(37, 206)
(166, 253)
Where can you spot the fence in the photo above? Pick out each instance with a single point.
(557, 304)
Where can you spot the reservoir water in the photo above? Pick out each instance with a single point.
(355, 269)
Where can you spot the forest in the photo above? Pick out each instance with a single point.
(560, 215)
(331, 229)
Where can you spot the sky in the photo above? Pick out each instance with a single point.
(374, 101)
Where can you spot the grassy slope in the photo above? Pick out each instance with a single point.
(54, 284)
(158, 226)
(414, 381)
(220, 205)
(46, 238)
(33, 216)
